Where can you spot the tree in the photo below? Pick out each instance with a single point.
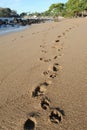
(7, 12)
(46, 13)
(13, 12)
(23, 14)
(75, 6)
(56, 9)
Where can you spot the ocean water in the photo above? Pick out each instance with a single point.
(5, 29)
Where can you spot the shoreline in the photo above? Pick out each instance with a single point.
(51, 56)
(16, 29)
(10, 30)
(11, 24)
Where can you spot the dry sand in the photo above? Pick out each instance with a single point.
(43, 77)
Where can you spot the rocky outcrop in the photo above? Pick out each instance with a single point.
(22, 22)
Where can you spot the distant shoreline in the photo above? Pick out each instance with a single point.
(8, 25)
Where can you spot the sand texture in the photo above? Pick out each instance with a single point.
(43, 77)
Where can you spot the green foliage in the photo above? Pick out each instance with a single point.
(23, 14)
(7, 12)
(75, 6)
(46, 13)
(69, 9)
(56, 9)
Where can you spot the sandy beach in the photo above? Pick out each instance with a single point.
(43, 77)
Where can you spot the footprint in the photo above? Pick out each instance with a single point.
(55, 57)
(50, 74)
(47, 60)
(63, 33)
(45, 103)
(40, 89)
(56, 67)
(53, 75)
(30, 124)
(44, 51)
(59, 49)
(59, 36)
(52, 69)
(41, 58)
(45, 72)
(57, 40)
(56, 115)
(41, 46)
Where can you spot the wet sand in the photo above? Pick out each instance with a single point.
(43, 77)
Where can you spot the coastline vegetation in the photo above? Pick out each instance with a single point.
(7, 12)
(72, 8)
